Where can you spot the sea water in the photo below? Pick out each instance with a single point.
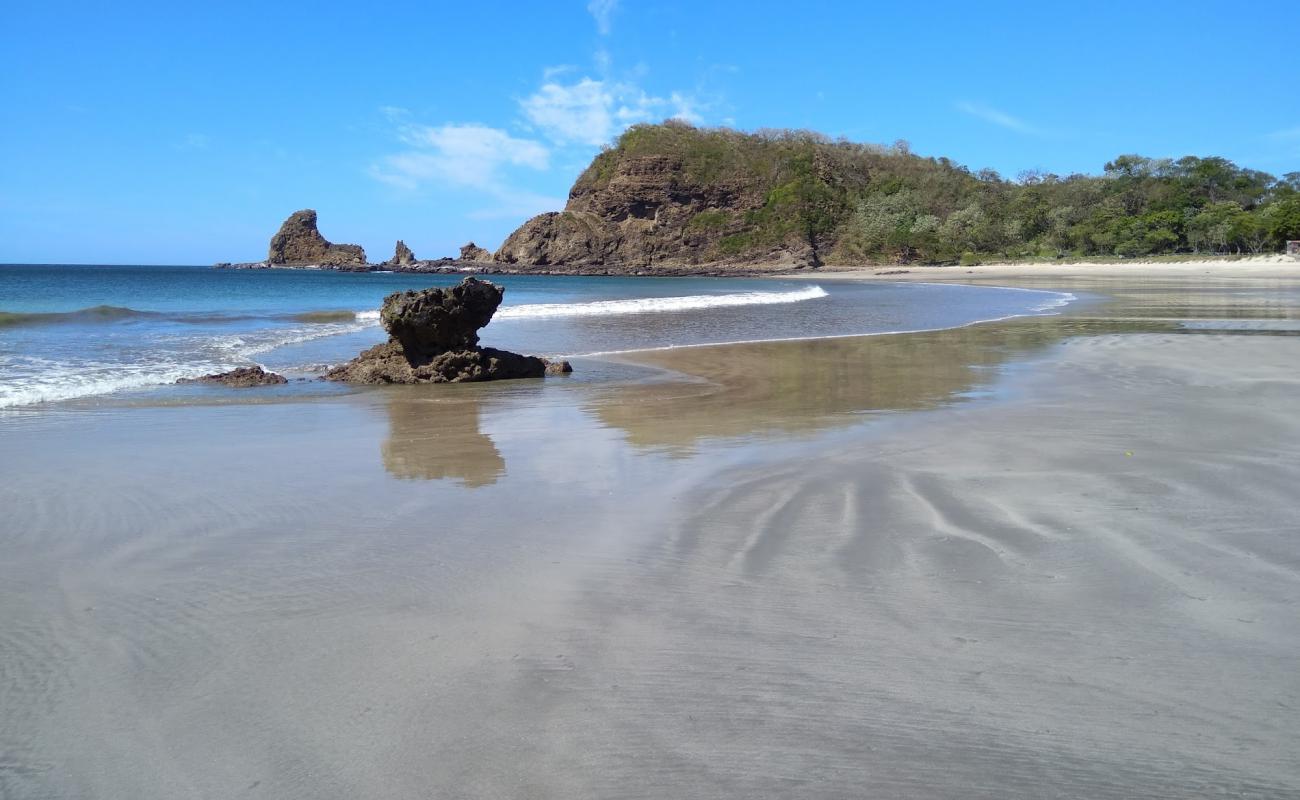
(83, 331)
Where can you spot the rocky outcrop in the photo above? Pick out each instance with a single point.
(472, 252)
(433, 338)
(298, 244)
(241, 378)
(402, 256)
(640, 210)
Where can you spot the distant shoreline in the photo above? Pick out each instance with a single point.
(1273, 265)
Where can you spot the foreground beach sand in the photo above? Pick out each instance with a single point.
(1049, 557)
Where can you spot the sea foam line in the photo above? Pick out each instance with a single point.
(1045, 309)
(658, 305)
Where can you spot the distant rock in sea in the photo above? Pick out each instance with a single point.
(240, 378)
(472, 252)
(298, 244)
(433, 338)
(402, 256)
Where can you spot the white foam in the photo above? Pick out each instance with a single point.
(658, 305)
(56, 381)
(368, 316)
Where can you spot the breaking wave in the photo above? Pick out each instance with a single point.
(658, 305)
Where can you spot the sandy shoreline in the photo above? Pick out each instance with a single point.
(1261, 267)
(1051, 556)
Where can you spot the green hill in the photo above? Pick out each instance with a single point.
(676, 195)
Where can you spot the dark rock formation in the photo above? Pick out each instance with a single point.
(433, 338)
(402, 256)
(298, 244)
(438, 320)
(240, 378)
(472, 252)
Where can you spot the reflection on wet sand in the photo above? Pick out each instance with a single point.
(743, 390)
(432, 436)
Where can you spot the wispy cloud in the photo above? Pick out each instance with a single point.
(469, 155)
(602, 11)
(996, 117)
(591, 112)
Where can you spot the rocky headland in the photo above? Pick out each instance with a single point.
(433, 338)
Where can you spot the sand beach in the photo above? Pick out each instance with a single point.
(1050, 556)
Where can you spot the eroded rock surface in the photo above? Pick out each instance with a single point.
(472, 252)
(433, 338)
(240, 378)
(403, 256)
(298, 244)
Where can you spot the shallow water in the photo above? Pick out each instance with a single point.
(68, 332)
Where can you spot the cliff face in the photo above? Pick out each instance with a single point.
(298, 243)
(673, 195)
(638, 211)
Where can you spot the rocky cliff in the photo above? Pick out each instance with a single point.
(298, 243)
(671, 195)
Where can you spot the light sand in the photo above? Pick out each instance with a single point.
(1254, 267)
(1054, 557)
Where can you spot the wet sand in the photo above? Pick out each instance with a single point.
(1051, 557)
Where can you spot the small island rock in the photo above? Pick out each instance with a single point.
(298, 243)
(402, 256)
(433, 338)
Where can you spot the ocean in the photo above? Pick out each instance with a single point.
(72, 332)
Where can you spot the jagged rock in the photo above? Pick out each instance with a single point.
(240, 378)
(431, 321)
(402, 256)
(298, 243)
(433, 338)
(635, 211)
(472, 252)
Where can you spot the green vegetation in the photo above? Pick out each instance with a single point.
(713, 218)
(861, 202)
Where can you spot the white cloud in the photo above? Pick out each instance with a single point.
(602, 11)
(591, 112)
(463, 154)
(999, 118)
(473, 156)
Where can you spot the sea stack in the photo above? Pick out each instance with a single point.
(433, 338)
(298, 244)
(402, 256)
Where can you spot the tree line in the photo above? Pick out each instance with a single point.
(863, 202)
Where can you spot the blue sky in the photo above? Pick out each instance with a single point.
(149, 132)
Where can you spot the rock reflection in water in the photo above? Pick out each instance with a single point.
(791, 387)
(435, 437)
